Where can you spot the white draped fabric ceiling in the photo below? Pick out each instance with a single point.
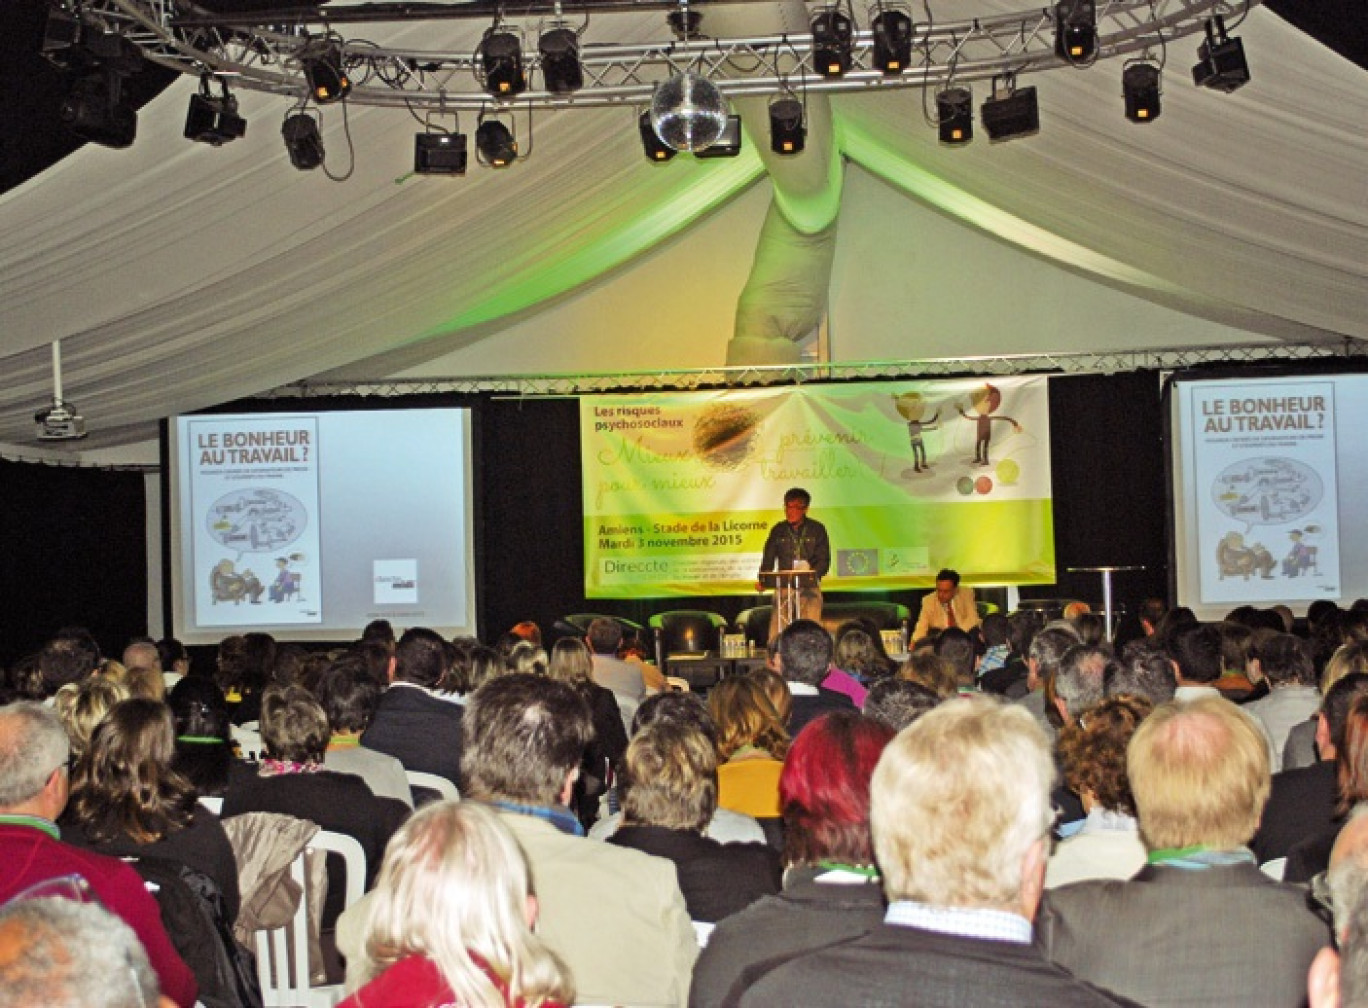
(178, 276)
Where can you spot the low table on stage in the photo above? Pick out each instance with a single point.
(788, 588)
(1106, 573)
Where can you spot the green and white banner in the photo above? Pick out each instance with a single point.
(681, 489)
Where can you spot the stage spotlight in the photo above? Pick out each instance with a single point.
(728, 142)
(788, 130)
(1076, 31)
(832, 41)
(328, 80)
(94, 110)
(1011, 111)
(654, 148)
(494, 144)
(213, 120)
(302, 140)
(1221, 63)
(892, 42)
(439, 153)
(561, 70)
(1140, 86)
(61, 35)
(955, 116)
(688, 112)
(500, 55)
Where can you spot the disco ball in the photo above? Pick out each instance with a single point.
(688, 113)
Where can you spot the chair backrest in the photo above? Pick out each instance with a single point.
(677, 684)
(431, 783)
(689, 631)
(283, 953)
(249, 741)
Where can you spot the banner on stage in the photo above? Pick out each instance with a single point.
(681, 489)
(254, 507)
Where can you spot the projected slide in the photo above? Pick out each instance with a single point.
(680, 489)
(310, 525)
(1264, 470)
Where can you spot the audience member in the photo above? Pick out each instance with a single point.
(485, 664)
(416, 723)
(896, 703)
(1339, 978)
(625, 678)
(451, 920)
(1285, 662)
(1079, 681)
(244, 668)
(69, 657)
(1196, 653)
(957, 648)
(571, 664)
(83, 705)
(930, 671)
(830, 888)
(1310, 857)
(1092, 628)
(669, 792)
(526, 658)
(960, 815)
(1300, 750)
(1144, 670)
(1199, 774)
(805, 650)
(204, 745)
(173, 660)
(1001, 667)
(33, 793)
(751, 742)
(1047, 651)
(860, 652)
(57, 952)
(349, 698)
(126, 801)
(1093, 751)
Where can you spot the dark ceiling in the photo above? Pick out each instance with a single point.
(31, 90)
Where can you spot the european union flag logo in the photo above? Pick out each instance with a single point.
(857, 562)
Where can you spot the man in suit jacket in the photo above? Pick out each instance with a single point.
(805, 650)
(414, 723)
(948, 606)
(1199, 924)
(962, 844)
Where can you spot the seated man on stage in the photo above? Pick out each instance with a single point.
(798, 543)
(948, 606)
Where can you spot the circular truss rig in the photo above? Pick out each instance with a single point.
(264, 51)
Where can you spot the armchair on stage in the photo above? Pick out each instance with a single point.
(577, 625)
(687, 644)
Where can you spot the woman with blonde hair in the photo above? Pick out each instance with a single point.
(83, 705)
(572, 664)
(451, 922)
(752, 743)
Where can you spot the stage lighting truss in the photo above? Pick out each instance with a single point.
(263, 51)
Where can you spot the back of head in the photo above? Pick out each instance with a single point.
(1237, 642)
(32, 745)
(1093, 751)
(485, 664)
(675, 708)
(1286, 661)
(1081, 676)
(744, 716)
(523, 734)
(1197, 650)
(1199, 773)
(143, 653)
(805, 650)
(1091, 627)
(824, 789)
(571, 662)
(1351, 756)
(381, 631)
(293, 725)
(926, 668)
(1349, 657)
(348, 694)
(896, 703)
(454, 883)
(604, 636)
(1050, 644)
(669, 778)
(204, 754)
(527, 630)
(61, 953)
(1144, 671)
(957, 647)
(83, 705)
(420, 657)
(995, 629)
(68, 658)
(958, 800)
(1338, 699)
(857, 654)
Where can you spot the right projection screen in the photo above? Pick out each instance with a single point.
(1270, 488)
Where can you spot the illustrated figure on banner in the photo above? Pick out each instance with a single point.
(985, 402)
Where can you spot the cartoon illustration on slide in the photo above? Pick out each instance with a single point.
(1302, 556)
(985, 402)
(227, 585)
(287, 580)
(257, 520)
(1267, 491)
(1235, 559)
(912, 407)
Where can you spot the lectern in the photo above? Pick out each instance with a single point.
(788, 588)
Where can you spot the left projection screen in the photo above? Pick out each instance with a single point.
(308, 525)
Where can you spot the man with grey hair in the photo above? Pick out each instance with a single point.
(1079, 680)
(33, 793)
(960, 816)
(60, 953)
(1042, 661)
(1341, 978)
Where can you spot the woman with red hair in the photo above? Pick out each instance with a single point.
(831, 891)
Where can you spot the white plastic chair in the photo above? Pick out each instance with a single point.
(283, 954)
(249, 741)
(1274, 869)
(432, 782)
